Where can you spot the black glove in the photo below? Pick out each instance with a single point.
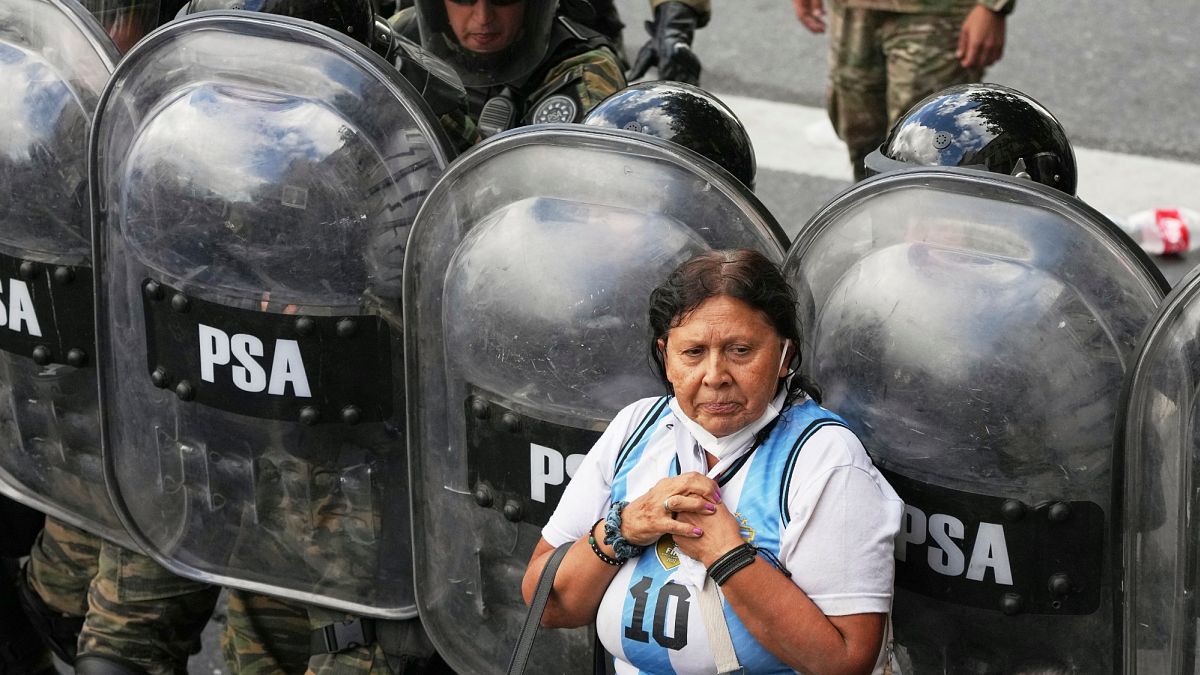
(670, 45)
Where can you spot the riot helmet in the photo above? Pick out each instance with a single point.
(986, 126)
(683, 114)
(489, 42)
(353, 18)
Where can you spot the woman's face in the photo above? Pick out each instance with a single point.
(724, 361)
(485, 26)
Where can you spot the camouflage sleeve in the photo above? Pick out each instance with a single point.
(141, 613)
(265, 636)
(702, 6)
(62, 563)
(596, 75)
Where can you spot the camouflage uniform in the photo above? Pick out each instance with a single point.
(62, 564)
(264, 635)
(595, 75)
(133, 610)
(140, 613)
(885, 55)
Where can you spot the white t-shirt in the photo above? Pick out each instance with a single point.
(809, 494)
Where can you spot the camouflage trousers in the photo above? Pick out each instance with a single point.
(264, 636)
(134, 610)
(881, 64)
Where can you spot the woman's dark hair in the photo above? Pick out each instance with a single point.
(744, 274)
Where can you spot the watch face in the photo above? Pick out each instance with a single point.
(557, 108)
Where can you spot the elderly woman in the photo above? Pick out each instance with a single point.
(737, 479)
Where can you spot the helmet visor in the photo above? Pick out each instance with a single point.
(489, 42)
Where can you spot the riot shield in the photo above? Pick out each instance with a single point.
(526, 291)
(254, 180)
(1161, 440)
(974, 330)
(54, 62)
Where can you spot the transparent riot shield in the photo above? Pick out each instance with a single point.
(974, 330)
(54, 62)
(254, 182)
(526, 290)
(1161, 441)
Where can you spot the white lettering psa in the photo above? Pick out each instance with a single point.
(17, 313)
(941, 534)
(546, 467)
(218, 348)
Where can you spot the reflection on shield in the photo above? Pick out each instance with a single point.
(526, 290)
(54, 62)
(255, 181)
(974, 330)
(1160, 439)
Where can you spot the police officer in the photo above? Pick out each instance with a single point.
(522, 61)
(947, 249)
(268, 635)
(84, 590)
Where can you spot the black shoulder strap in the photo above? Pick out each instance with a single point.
(537, 606)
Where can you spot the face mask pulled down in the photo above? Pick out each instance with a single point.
(727, 445)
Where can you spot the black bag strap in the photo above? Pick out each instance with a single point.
(520, 657)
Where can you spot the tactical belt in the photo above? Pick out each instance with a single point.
(342, 636)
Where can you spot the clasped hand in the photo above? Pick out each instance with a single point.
(703, 528)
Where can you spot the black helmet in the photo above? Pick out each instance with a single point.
(353, 18)
(683, 114)
(987, 126)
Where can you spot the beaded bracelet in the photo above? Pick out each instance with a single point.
(604, 557)
(733, 560)
(612, 534)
